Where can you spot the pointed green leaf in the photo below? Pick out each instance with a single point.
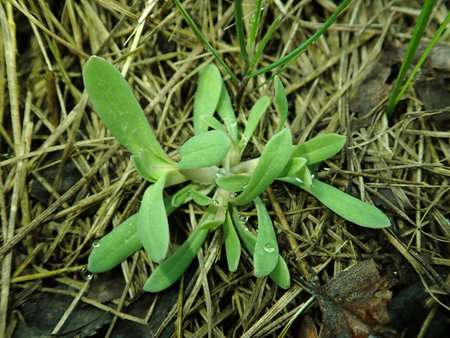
(281, 103)
(213, 123)
(199, 198)
(204, 150)
(272, 162)
(319, 148)
(227, 114)
(233, 183)
(305, 176)
(293, 166)
(280, 275)
(232, 244)
(214, 215)
(152, 223)
(266, 247)
(173, 267)
(207, 96)
(257, 111)
(346, 206)
(118, 108)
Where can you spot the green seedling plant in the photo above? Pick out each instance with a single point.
(213, 173)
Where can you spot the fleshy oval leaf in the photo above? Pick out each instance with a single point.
(207, 96)
(319, 148)
(233, 183)
(256, 113)
(280, 275)
(346, 206)
(204, 150)
(118, 108)
(152, 223)
(266, 247)
(115, 246)
(272, 162)
(173, 267)
(232, 244)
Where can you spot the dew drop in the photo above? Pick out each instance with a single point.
(244, 185)
(246, 229)
(219, 174)
(216, 203)
(233, 195)
(269, 248)
(95, 244)
(243, 219)
(85, 274)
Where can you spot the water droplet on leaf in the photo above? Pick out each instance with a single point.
(243, 219)
(95, 244)
(269, 248)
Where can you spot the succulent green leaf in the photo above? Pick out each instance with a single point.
(119, 244)
(173, 267)
(256, 113)
(280, 275)
(207, 96)
(272, 162)
(266, 247)
(151, 167)
(213, 123)
(319, 148)
(214, 215)
(115, 247)
(293, 166)
(204, 150)
(232, 244)
(200, 198)
(346, 206)
(233, 183)
(152, 223)
(226, 113)
(118, 108)
(305, 176)
(281, 102)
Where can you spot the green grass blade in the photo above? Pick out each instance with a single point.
(346, 206)
(319, 148)
(232, 244)
(207, 96)
(204, 150)
(169, 271)
(256, 113)
(272, 162)
(152, 223)
(118, 108)
(419, 29)
(285, 61)
(422, 58)
(254, 25)
(240, 30)
(266, 247)
(281, 103)
(205, 42)
(263, 44)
